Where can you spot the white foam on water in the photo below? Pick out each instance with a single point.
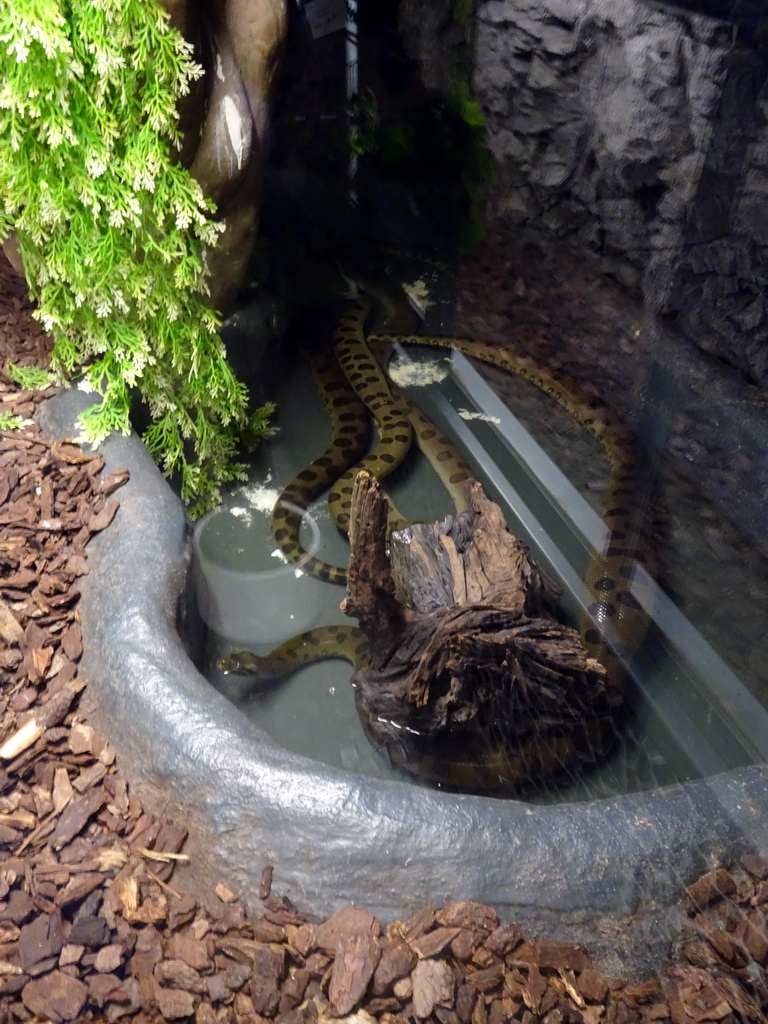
(466, 414)
(407, 374)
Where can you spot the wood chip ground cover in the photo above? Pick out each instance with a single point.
(94, 928)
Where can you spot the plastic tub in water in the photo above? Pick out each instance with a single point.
(242, 593)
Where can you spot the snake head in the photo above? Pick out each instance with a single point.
(240, 663)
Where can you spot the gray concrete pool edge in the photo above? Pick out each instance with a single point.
(607, 873)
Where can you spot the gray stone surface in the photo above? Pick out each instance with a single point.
(637, 131)
(608, 873)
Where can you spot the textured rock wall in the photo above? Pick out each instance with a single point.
(638, 132)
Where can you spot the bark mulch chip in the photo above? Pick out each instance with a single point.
(91, 928)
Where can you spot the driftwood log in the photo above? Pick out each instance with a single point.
(472, 680)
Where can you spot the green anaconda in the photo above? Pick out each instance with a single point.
(350, 373)
(350, 429)
(614, 609)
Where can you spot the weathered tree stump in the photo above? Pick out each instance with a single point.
(472, 681)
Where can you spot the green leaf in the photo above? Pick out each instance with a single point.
(10, 422)
(31, 378)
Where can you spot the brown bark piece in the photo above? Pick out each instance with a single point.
(108, 958)
(112, 481)
(268, 966)
(487, 979)
(534, 990)
(192, 951)
(11, 631)
(560, 955)
(357, 955)
(75, 815)
(397, 959)
(266, 931)
(78, 887)
(432, 986)
(245, 951)
(293, 989)
(104, 988)
(173, 1003)
(55, 710)
(40, 940)
(56, 997)
(434, 942)
(465, 943)
(709, 887)
(178, 974)
(347, 921)
(417, 925)
(265, 884)
(592, 985)
(504, 939)
(469, 914)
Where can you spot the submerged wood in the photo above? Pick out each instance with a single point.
(468, 660)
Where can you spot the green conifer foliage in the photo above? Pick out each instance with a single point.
(112, 229)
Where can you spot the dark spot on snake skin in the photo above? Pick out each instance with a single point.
(346, 490)
(342, 519)
(592, 636)
(386, 457)
(428, 434)
(279, 535)
(627, 571)
(627, 600)
(402, 438)
(443, 456)
(308, 475)
(605, 583)
(348, 417)
(324, 460)
(458, 478)
(334, 496)
(615, 553)
(601, 609)
(310, 640)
